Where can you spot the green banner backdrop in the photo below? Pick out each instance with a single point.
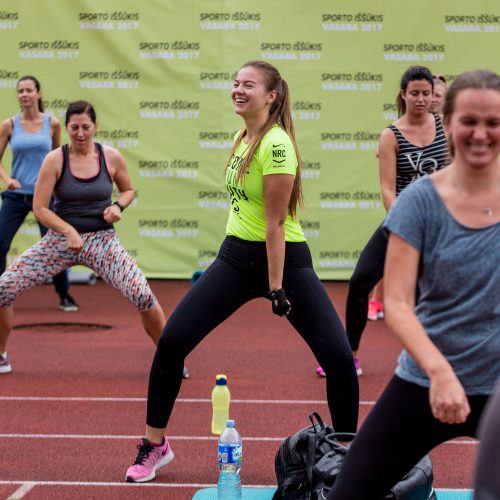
(159, 75)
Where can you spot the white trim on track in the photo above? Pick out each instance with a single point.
(149, 485)
(22, 490)
(179, 400)
(174, 438)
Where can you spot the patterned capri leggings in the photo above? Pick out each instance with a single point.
(102, 252)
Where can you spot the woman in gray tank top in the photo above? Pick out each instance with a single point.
(81, 228)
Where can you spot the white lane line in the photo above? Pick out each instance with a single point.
(129, 485)
(121, 438)
(22, 490)
(159, 485)
(173, 438)
(179, 400)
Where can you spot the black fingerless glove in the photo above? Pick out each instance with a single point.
(280, 304)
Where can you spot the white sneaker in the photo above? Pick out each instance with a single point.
(4, 363)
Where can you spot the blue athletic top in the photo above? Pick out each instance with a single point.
(459, 287)
(28, 151)
(413, 162)
(81, 202)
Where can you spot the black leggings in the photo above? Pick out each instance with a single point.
(487, 479)
(239, 274)
(369, 271)
(397, 433)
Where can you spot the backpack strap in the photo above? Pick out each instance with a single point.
(311, 454)
(334, 437)
(319, 421)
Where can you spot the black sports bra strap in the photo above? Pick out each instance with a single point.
(100, 151)
(64, 163)
(102, 158)
(65, 156)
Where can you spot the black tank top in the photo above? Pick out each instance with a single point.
(81, 202)
(413, 162)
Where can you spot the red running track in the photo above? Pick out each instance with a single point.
(74, 406)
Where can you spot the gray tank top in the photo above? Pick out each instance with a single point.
(81, 202)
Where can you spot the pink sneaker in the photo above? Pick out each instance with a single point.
(357, 365)
(375, 310)
(149, 459)
(320, 372)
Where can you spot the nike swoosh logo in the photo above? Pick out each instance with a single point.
(278, 161)
(277, 145)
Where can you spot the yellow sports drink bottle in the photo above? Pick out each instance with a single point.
(220, 404)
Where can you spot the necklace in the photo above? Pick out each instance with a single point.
(489, 211)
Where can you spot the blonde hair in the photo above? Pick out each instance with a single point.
(280, 114)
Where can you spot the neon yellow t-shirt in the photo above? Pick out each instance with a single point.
(247, 220)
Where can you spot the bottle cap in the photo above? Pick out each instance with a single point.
(220, 380)
(230, 423)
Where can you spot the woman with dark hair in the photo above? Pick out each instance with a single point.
(264, 254)
(445, 241)
(31, 134)
(80, 175)
(413, 146)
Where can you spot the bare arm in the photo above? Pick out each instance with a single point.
(277, 191)
(387, 151)
(5, 132)
(447, 397)
(121, 178)
(55, 128)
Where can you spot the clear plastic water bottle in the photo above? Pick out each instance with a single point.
(220, 404)
(229, 459)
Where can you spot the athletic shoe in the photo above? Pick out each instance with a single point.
(320, 372)
(4, 364)
(380, 312)
(68, 304)
(149, 459)
(375, 310)
(185, 372)
(357, 365)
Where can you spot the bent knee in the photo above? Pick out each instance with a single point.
(173, 343)
(338, 363)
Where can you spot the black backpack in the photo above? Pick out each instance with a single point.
(308, 462)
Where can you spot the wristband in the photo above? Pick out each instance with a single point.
(119, 205)
(280, 304)
(274, 294)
